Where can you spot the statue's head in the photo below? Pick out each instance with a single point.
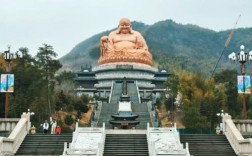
(124, 26)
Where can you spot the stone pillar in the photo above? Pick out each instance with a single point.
(243, 127)
(238, 126)
(249, 127)
(27, 115)
(13, 125)
(224, 118)
(8, 126)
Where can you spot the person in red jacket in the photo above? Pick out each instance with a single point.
(58, 130)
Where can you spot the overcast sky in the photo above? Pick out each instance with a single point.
(65, 23)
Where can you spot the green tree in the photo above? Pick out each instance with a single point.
(28, 83)
(61, 100)
(228, 78)
(171, 84)
(203, 95)
(193, 120)
(46, 61)
(65, 76)
(80, 106)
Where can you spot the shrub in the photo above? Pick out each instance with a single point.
(69, 120)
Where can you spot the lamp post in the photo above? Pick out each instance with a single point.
(242, 57)
(29, 113)
(221, 114)
(8, 57)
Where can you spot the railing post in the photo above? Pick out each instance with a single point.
(27, 116)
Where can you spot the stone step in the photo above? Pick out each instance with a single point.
(126, 144)
(207, 145)
(44, 144)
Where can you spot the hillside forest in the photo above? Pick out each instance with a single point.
(45, 85)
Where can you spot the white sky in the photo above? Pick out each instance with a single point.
(65, 23)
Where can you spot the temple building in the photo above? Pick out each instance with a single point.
(124, 57)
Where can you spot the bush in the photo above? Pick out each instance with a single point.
(69, 120)
(81, 107)
(70, 108)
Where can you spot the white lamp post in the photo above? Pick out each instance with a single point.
(242, 57)
(221, 114)
(32, 128)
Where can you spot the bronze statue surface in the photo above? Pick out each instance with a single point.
(124, 45)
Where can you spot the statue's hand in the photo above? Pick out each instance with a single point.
(139, 45)
(104, 38)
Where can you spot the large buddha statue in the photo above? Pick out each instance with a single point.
(124, 45)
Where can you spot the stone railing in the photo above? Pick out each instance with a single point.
(145, 85)
(135, 66)
(244, 126)
(165, 141)
(240, 145)
(8, 124)
(9, 145)
(121, 76)
(102, 84)
(87, 141)
(138, 93)
(111, 91)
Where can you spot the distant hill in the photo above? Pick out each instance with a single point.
(175, 46)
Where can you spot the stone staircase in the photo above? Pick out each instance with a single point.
(110, 108)
(144, 115)
(207, 145)
(116, 93)
(107, 110)
(126, 145)
(4, 133)
(132, 92)
(44, 144)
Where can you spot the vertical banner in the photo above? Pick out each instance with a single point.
(243, 84)
(7, 83)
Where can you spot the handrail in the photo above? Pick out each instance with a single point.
(113, 76)
(75, 149)
(138, 93)
(87, 151)
(135, 66)
(8, 124)
(244, 126)
(240, 145)
(165, 141)
(103, 139)
(11, 144)
(1, 146)
(111, 90)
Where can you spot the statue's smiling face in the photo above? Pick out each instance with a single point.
(124, 26)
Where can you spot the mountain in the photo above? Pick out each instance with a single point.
(187, 47)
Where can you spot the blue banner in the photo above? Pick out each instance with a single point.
(7, 83)
(243, 84)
